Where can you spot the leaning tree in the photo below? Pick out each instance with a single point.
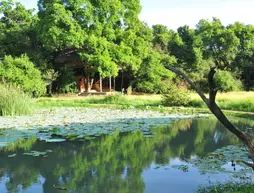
(216, 47)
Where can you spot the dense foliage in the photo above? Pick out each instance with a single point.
(21, 72)
(110, 37)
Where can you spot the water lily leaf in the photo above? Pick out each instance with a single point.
(27, 154)
(225, 160)
(35, 153)
(147, 133)
(184, 168)
(89, 138)
(13, 155)
(55, 140)
(55, 129)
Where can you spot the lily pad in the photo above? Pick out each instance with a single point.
(35, 153)
(55, 140)
(147, 133)
(226, 159)
(13, 155)
(184, 168)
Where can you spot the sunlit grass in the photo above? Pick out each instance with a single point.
(136, 101)
(237, 101)
(228, 95)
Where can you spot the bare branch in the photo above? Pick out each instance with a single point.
(248, 164)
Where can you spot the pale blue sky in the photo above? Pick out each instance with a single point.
(176, 13)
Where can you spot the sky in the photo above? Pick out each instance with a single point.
(176, 13)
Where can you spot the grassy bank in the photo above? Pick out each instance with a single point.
(236, 101)
(135, 101)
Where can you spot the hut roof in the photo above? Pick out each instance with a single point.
(70, 57)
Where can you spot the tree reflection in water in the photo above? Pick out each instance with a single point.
(112, 163)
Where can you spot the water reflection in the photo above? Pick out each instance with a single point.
(114, 163)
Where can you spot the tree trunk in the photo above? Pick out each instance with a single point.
(91, 83)
(87, 81)
(100, 84)
(122, 82)
(50, 89)
(114, 84)
(109, 84)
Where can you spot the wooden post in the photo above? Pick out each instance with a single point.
(110, 84)
(100, 84)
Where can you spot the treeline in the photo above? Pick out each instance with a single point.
(109, 36)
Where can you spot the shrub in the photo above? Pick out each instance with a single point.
(225, 81)
(21, 72)
(145, 86)
(197, 103)
(114, 99)
(175, 97)
(13, 101)
(153, 87)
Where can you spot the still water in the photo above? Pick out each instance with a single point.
(119, 163)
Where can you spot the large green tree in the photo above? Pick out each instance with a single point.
(107, 34)
(244, 59)
(15, 24)
(18, 36)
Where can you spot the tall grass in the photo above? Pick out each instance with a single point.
(13, 101)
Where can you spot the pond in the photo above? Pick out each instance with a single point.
(162, 159)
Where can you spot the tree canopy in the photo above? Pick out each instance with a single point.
(107, 33)
(109, 36)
